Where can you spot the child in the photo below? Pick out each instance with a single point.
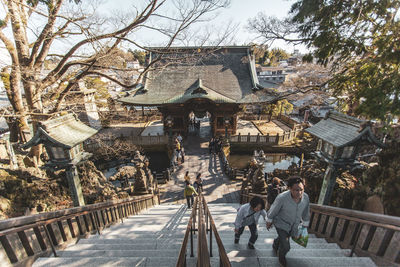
(248, 215)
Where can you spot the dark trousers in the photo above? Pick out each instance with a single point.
(253, 232)
(282, 242)
(189, 200)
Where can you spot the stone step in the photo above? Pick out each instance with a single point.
(232, 253)
(292, 253)
(243, 246)
(261, 234)
(171, 261)
(119, 253)
(140, 235)
(132, 241)
(110, 261)
(177, 245)
(226, 239)
(317, 261)
(144, 246)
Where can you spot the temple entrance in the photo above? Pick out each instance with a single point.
(200, 124)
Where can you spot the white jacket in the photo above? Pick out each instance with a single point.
(246, 214)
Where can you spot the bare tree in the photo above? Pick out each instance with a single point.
(39, 27)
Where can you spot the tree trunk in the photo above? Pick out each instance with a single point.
(35, 106)
(14, 94)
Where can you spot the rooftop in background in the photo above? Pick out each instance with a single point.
(223, 74)
(65, 131)
(341, 130)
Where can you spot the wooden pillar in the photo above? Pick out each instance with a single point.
(74, 185)
(234, 124)
(328, 185)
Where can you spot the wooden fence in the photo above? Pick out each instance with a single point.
(25, 238)
(265, 139)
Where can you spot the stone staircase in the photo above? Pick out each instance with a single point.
(154, 238)
(318, 253)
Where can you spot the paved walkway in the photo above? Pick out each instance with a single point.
(218, 188)
(246, 127)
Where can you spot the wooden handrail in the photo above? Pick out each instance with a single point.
(202, 213)
(23, 220)
(224, 259)
(189, 230)
(203, 257)
(87, 219)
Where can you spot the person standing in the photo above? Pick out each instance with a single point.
(183, 154)
(178, 150)
(189, 193)
(180, 138)
(248, 215)
(289, 210)
(198, 183)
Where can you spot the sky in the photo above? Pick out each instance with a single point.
(238, 13)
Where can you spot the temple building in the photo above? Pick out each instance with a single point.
(186, 80)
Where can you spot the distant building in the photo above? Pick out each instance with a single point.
(82, 102)
(133, 64)
(272, 74)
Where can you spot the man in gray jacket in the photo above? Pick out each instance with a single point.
(289, 210)
(249, 214)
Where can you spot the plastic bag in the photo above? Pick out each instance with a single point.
(302, 239)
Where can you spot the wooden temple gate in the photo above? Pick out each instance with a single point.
(221, 114)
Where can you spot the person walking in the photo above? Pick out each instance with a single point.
(189, 193)
(198, 184)
(178, 150)
(183, 154)
(289, 210)
(248, 215)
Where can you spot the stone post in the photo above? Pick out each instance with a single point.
(75, 186)
(328, 185)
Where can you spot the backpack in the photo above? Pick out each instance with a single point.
(272, 193)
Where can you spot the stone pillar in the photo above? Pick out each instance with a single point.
(328, 185)
(75, 186)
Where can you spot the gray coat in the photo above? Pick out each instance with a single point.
(243, 218)
(287, 215)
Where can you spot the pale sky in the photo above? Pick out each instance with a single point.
(238, 13)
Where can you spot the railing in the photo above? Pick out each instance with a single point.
(28, 237)
(367, 234)
(205, 224)
(265, 139)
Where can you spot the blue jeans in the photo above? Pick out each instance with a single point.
(253, 232)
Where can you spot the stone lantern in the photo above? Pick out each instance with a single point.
(63, 139)
(340, 138)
